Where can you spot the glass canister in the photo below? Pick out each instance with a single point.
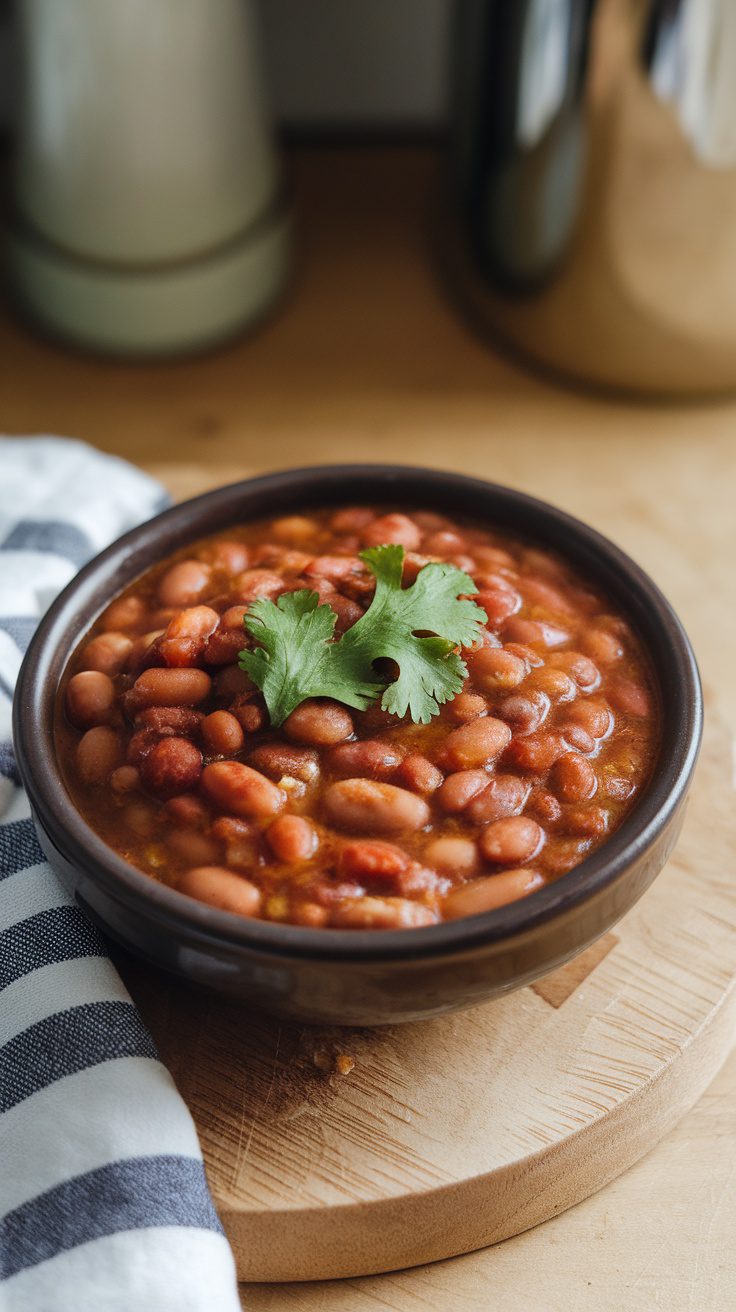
(593, 186)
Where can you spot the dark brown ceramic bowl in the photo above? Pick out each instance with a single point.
(361, 977)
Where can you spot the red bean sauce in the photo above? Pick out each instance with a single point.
(356, 819)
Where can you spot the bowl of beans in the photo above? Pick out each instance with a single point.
(359, 744)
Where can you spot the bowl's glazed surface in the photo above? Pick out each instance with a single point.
(346, 976)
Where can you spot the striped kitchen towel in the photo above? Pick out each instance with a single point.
(103, 1199)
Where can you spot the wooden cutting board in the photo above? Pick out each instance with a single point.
(454, 1133)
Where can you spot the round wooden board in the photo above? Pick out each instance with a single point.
(455, 1133)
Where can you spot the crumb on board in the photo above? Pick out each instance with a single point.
(340, 1063)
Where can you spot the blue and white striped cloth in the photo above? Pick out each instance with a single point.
(104, 1204)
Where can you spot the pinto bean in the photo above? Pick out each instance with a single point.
(538, 592)
(220, 888)
(254, 583)
(108, 653)
(381, 913)
(527, 631)
(90, 698)
(602, 647)
(351, 520)
(505, 795)
(525, 711)
(188, 810)
(99, 752)
(555, 684)
(494, 669)
(250, 712)
(238, 789)
(536, 753)
(578, 738)
(573, 778)
(392, 528)
(418, 774)
(368, 806)
(443, 542)
(348, 612)
(172, 766)
(292, 839)
(319, 723)
(459, 788)
(222, 733)
(592, 715)
(490, 892)
(512, 840)
(125, 779)
(452, 855)
(166, 687)
(186, 635)
(543, 806)
(279, 759)
(184, 583)
(232, 682)
(372, 759)
(579, 667)
(499, 604)
(586, 821)
(125, 613)
(476, 744)
(294, 528)
(366, 860)
(630, 698)
(181, 721)
(467, 706)
(232, 557)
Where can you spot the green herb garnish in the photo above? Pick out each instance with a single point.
(297, 657)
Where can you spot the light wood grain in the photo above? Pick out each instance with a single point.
(368, 360)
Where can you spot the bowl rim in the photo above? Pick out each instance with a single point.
(61, 629)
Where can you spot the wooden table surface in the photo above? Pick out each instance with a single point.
(367, 360)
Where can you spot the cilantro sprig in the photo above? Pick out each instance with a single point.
(420, 628)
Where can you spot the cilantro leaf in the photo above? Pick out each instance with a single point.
(419, 628)
(296, 659)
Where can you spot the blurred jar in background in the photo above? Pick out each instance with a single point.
(149, 216)
(593, 186)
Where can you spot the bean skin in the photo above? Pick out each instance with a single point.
(108, 653)
(536, 753)
(459, 788)
(371, 807)
(573, 778)
(125, 613)
(241, 791)
(505, 795)
(392, 528)
(511, 841)
(579, 667)
(372, 860)
(351, 520)
(381, 913)
(372, 759)
(278, 759)
(476, 744)
(499, 604)
(490, 892)
(165, 687)
(602, 647)
(222, 733)
(99, 753)
(220, 888)
(186, 635)
(184, 583)
(555, 684)
(592, 715)
(494, 669)
(319, 724)
(525, 711)
(526, 631)
(294, 528)
(419, 775)
(90, 699)
(467, 706)
(172, 766)
(452, 855)
(292, 839)
(125, 779)
(630, 698)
